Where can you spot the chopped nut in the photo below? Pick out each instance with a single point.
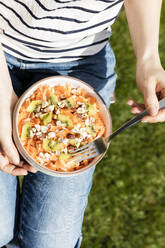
(49, 126)
(71, 148)
(77, 135)
(70, 136)
(62, 97)
(73, 110)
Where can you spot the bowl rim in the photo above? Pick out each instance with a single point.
(23, 151)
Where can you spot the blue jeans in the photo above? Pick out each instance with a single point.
(49, 211)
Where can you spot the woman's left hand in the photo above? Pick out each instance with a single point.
(150, 77)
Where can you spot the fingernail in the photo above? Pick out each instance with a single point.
(144, 121)
(16, 161)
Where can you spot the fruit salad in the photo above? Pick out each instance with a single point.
(55, 121)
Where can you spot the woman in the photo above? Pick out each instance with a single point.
(63, 37)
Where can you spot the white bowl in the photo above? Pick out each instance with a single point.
(53, 81)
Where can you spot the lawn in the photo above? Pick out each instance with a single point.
(126, 206)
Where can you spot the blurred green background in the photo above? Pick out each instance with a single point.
(126, 206)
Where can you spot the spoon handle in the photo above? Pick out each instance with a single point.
(135, 120)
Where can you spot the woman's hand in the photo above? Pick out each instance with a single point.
(9, 157)
(150, 77)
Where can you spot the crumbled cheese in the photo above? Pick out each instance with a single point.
(83, 133)
(81, 110)
(58, 153)
(50, 108)
(75, 91)
(41, 154)
(54, 117)
(65, 141)
(83, 129)
(62, 104)
(38, 133)
(47, 156)
(58, 111)
(44, 129)
(38, 127)
(45, 104)
(60, 124)
(34, 130)
(75, 129)
(60, 140)
(51, 135)
(38, 114)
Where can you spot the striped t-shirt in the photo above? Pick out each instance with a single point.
(56, 30)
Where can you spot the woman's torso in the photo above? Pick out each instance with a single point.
(56, 30)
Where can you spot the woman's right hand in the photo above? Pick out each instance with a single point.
(9, 157)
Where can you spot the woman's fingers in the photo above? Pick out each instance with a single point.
(28, 167)
(14, 170)
(9, 149)
(160, 117)
(136, 108)
(5, 166)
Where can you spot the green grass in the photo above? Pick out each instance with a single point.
(126, 206)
